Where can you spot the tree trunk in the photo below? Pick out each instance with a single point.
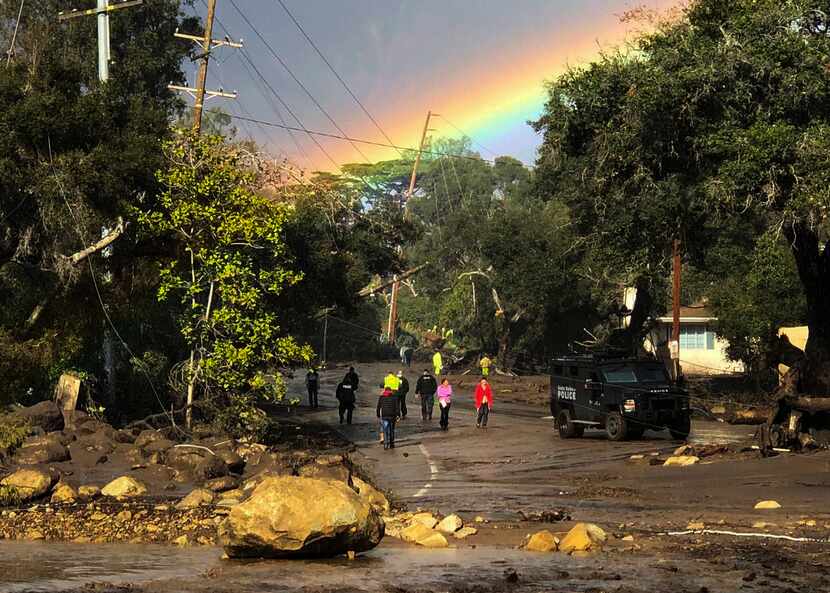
(631, 337)
(813, 263)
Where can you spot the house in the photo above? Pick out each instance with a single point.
(702, 352)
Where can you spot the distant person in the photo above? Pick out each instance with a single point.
(437, 363)
(352, 378)
(312, 384)
(444, 402)
(387, 411)
(403, 391)
(425, 388)
(407, 356)
(391, 381)
(484, 402)
(485, 364)
(346, 396)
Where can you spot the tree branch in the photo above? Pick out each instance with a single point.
(105, 242)
(368, 291)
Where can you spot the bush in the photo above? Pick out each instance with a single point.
(13, 431)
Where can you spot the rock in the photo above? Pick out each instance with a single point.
(425, 519)
(682, 450)
(326, 472)
(196, 498)
(767, 505)
(46, 449)
(480, 519)
(45, 415)
(628, 538)
(465, 532)
(434, 540)
(124, 516)
(234, 462)
(371, 495)
(145, 437)
(236, 494)
(696, 526)
(300, 517)
(158, 445)
(64, 493)
(416, 532)
(124, 487)
(222, 484)
(89, 491)
(760, 525)
(582, 537)
(450, 524)
(210, 467)
(542, 541)
(29, 483)
(181, 541)
(682, 460)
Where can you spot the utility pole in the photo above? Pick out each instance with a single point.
(391, 328)
(102, 11)
(675, 330)
(207, 44)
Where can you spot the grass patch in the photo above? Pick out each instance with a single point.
(13, 431)
(9, 496)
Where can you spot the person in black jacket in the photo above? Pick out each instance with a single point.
(352, 379)
(425, 388)
(387, 411)
(346, 396)
(403, 390)
(312, 383)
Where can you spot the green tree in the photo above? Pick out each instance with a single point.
(722, 112)
(231, 267)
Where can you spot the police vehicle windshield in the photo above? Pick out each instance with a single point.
(635, 374)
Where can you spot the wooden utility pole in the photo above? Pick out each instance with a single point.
(207, 43)
(391, 328)
(102, 11)
(675, 330)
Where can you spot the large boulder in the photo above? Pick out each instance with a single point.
(64, 493)
(371, 494)
(542, 541)
(48, 448)
(124, 487)
(29, 483)
(583, 537)
(196, 498)
(46, 415)
(234, 462)
(291, 516)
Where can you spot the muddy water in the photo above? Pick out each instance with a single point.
(50, 568)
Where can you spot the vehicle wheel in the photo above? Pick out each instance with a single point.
(681, 430)
(567, 429)
(616, 426)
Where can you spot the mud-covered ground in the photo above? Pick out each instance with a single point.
(517, 477)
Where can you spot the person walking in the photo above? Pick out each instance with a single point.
(484, 402)
(425, 388)
(346, 396)
(312, 384)
(485, 364)
(352, 378)
(437, 363)
(387, 411)
(444, 402)
(403, 391)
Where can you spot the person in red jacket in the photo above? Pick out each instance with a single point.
(484, 402)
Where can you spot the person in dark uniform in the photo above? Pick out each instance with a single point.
(312, 383)
(403, 390)
(425, 388)
(352, 378)
(346, 396)
(387, 411)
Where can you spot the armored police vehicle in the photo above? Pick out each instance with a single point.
(623, 396)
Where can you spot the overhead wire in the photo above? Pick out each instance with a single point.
(463, 133)
(336, 74)
(10, 53)
(296, 79)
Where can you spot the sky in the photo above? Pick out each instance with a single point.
(480, 64)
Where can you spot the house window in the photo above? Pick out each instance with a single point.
(696, 337)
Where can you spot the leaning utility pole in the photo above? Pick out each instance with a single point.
(675, 330)
(102, 11)
(391, 329)
(207, 44)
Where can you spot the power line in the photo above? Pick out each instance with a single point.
(370, 142)
(336, 74)
(463, 133)
(297, 80)
(10, 53)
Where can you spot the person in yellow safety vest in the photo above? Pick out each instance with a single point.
(485, 364)
(437, 363)
(392, 382)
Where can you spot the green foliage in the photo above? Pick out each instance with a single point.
(9, 496)
(232, 267)
(13, 431)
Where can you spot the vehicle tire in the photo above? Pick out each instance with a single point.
(680, 431)
(567, 429)
(616, 427)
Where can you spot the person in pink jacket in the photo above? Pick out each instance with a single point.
(484, 402)
(444, 394)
